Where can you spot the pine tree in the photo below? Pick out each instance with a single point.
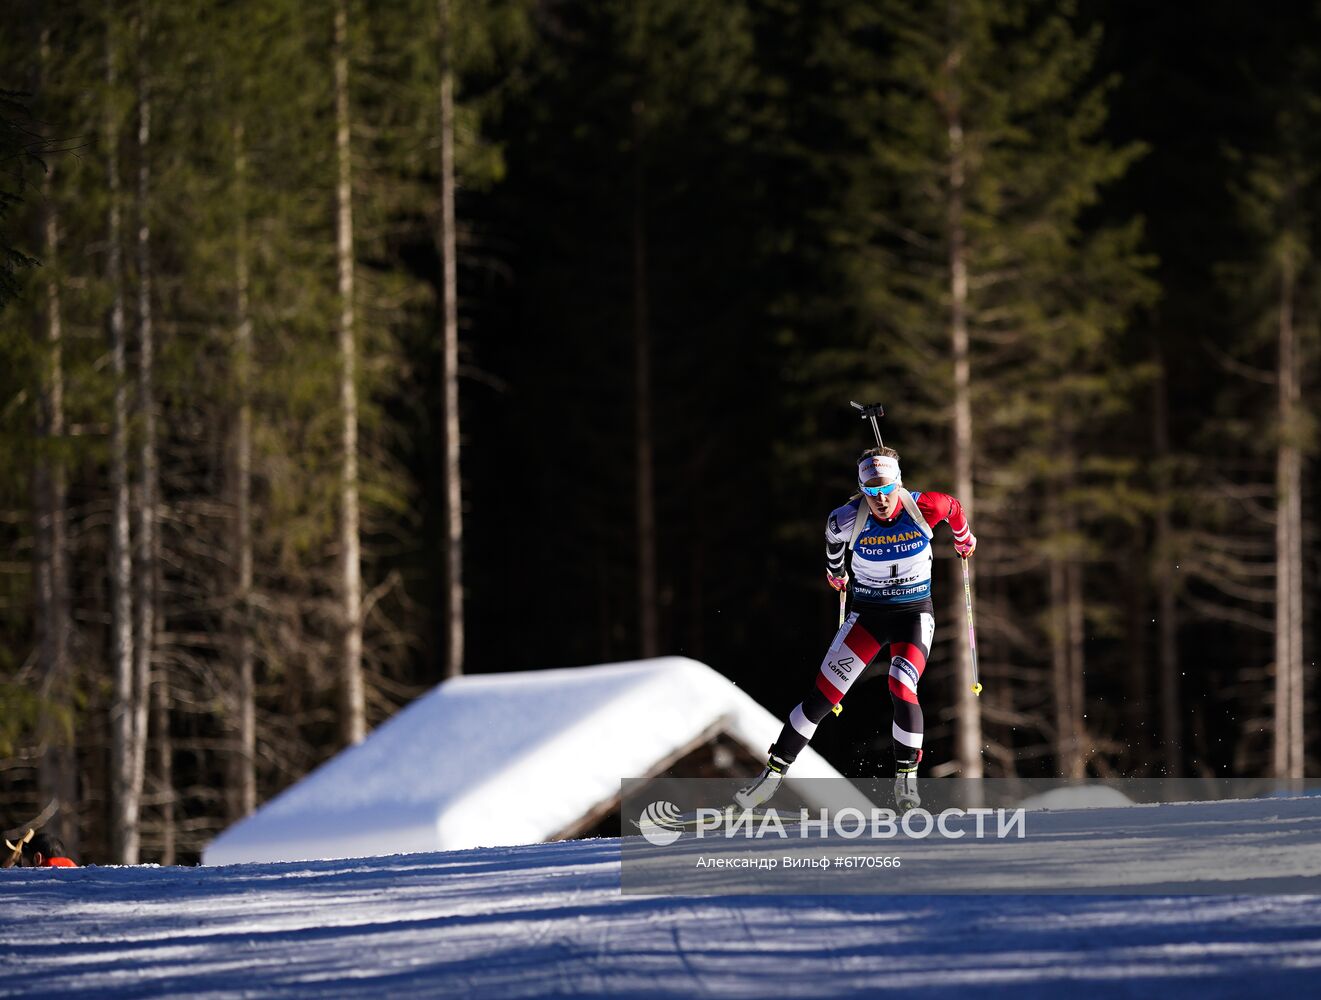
(59, 774)
(145, 564)
(1279, 194)
(996, 299)
(57, 383)
(128, 737)
(447, 241)
(632, 162)
(233, 265)
(354, 711)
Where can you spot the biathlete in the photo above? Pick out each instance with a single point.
(891, 588)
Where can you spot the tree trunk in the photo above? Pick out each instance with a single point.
(648, 612)
(1167, 627)
(1297, 733)
(1066, 737)
(125, 813)
(1289, 694)
(164, 746)
(353, 718)
(57, 773)
(1135, 564)
(1000, 695)
(245, 754)
(448, 243)
(144, 599)
(1066, 631)
(969, 738)
(1075, 612)
(1065, 634)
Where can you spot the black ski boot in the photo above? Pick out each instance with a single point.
(765, 785)
(905, 782)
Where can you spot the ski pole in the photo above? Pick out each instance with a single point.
(870, 412)
(972, 635)
(843, 600)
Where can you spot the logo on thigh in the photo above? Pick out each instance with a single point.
(843, 667)
(904, 670)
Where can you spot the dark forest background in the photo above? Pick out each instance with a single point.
(1071, 247)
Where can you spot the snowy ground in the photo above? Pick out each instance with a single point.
(549, 919)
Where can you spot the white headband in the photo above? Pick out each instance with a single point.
(878, 466)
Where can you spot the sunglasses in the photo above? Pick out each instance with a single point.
(879, 491)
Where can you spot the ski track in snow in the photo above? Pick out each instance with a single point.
(549, 920)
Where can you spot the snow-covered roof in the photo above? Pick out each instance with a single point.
(494, 759)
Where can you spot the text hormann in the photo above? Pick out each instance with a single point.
(907, 536)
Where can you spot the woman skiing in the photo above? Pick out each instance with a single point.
(887, 532)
